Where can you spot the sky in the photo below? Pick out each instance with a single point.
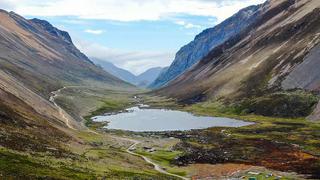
(132, 34)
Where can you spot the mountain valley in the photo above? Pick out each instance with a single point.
(259, 67)
(142, 80)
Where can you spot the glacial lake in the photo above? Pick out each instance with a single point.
(141, 120)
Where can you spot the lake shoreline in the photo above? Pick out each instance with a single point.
(143, 118)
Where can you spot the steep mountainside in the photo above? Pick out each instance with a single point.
(36, 59)
(204, 42)
(278, 52)
(162, 73)
(142, 80)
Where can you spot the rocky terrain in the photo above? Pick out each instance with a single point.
(37, 59)
(204, 42)
(276, 53)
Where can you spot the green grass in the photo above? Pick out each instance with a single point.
(20, 165)
(160, 102)
(109, 105)
(95, 163)
(287, 104)
(86, 102)
(164, 158)
(280, 104)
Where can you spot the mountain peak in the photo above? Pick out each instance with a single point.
(45, 25)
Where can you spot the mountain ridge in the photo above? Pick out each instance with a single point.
(191, 53)
(256, 62)
(37, 59)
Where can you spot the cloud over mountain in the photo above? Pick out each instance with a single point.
(135, 9)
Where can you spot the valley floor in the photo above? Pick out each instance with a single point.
(272, 148)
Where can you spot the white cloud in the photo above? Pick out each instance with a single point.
(134, 61)
(188, 25)
(129, 10)
(6, 4)
(74, 21)
(92, 31)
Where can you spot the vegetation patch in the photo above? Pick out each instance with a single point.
(165, 159)
(281, 104)
(15, 165)
(293, 104)
(107, 106)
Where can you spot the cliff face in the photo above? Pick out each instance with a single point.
(278, 52)
(46, 26)
(204, 42)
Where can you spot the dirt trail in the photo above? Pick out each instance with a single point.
(157, 167)
(61, 111)
(134, 142)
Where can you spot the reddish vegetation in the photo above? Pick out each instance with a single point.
(285, 158)
(256, 152)
(218, 170)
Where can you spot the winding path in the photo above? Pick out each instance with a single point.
(129, 150)
(61, 111)
(157, 167)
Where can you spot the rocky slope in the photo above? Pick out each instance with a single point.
(278, 52)
(204, 42)
(37, 59)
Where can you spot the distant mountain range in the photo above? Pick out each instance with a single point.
(142, 80)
